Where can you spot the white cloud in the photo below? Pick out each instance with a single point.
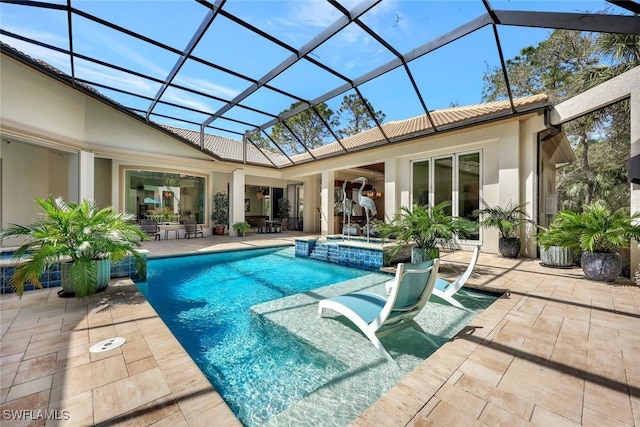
(182, 98)
(207, 87)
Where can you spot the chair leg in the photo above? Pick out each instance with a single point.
(418, 328)
(377, 344)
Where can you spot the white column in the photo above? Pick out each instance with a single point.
(236, 199)
(634, 103)
(391, 180)
(326, 202)
(508, 166)
(529, 180)
(81, 176)
(310, 220)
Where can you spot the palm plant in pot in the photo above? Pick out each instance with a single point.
(79, 236)
(509, 221)
(425, 227)
(598, 233)
(553, 253)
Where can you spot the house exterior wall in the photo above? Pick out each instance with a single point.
(59, 123)
(509, 169)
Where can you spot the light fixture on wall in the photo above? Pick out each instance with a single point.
(259, 193)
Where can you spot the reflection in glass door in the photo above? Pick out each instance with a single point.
(421, 183)
(454, 179)
(469, 188)
(443, 181)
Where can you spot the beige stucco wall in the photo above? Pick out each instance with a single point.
(49, 124)
(509, 168)
(44, 112)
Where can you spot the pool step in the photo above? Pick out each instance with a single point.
(326, 252)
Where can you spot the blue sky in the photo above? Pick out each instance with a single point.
(450, 75)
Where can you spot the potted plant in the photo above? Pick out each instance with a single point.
(220, 214)
(426, 228)
(598, 233)
(83, 238)
(241, 227)
(351, 229)
(509, 221)
(553, 253)
(284, 206)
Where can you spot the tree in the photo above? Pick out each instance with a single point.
(565, 64)
(307, 127)
(549, 68)
(355, 112)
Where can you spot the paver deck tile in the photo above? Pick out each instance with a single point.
(556, 349)
(596, 419)
(609, 398)
(128, 393)
(496, 416)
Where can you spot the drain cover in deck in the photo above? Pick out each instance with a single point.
(107, 345)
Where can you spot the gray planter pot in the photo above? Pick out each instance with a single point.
(104, 275)
(601, 266)
(509, 247)
(556, 256)
(417, 255)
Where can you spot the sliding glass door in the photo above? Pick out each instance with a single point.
(454, 178)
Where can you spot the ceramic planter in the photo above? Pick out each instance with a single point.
(601, 266)
(104, 275)
(556, 256)
(509, 247)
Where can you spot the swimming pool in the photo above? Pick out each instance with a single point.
(257, 367)
(249, 321)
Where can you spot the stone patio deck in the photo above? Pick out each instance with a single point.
(556, 349)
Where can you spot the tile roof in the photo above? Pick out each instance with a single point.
(449, 118)
(230, 149)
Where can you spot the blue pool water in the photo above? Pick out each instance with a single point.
(258, 368)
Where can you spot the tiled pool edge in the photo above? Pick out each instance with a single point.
(350, 253)
(51, 278)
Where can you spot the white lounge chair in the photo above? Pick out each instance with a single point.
(376, 316)
(445, 289)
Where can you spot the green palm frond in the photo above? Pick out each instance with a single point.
(77, 232)
(508, 220)
(427, 227)
(596, 228)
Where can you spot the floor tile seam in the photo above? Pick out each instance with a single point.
(518, 396)
(634, 413)
(457, 371)
(2, 337)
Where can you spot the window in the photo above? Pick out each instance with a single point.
(454, 178)
(165, 197)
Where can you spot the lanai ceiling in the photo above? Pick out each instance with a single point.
(234, 68)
